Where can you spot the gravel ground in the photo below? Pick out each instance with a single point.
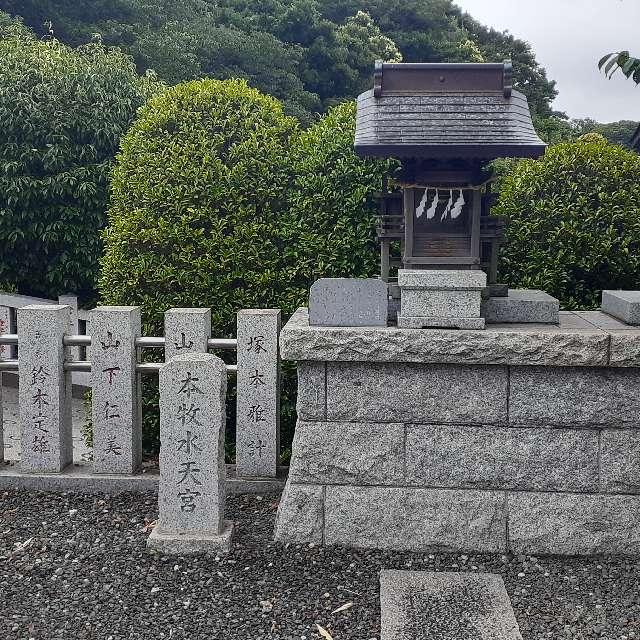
(75, 566)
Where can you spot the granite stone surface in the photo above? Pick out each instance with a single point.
(573, 524)
(348, 453)
(575, 342)
(441, 279)
(45, 389)
(186, 331)
(116, 411)
(502, 458)
(191, 493)
(444, 322)
(440, 304)
(373, 392)
(624, 305)
(625, 348)
(312, 377)
(420, 605)
(300, 514)
(620, 461)
(348, 302)
(185, 544)
(574, 397)
(415, 519)
(258, 398)
(522, 306)
(5, 327)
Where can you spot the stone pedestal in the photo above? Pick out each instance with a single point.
(520, 438)
(45, 389)
(258, 401)
(443, 298)
(117, 430)
(191, 494)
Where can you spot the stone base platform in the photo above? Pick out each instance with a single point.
(521, 437)
(445, 606)
(422, 322)
(177, 544)
(522, 306)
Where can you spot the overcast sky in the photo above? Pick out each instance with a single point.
(568, 38)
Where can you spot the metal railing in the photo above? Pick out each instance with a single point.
(143, 342)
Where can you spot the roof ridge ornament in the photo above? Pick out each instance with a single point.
(377, 79)
(508, 78)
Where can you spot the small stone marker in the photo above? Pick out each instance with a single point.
(5, 327)
(186, 331)
(420, 605)
(45, 389)
(191, 494)
(117, 430)
(624, 305)
(71, 301)
(258, 403)
(348, 302)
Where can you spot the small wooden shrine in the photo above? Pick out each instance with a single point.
(445, 123)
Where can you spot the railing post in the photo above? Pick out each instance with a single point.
(258, 403)
(5, 354)
(186, 331)
(72, 302)
(45, 389)
(191, 494)
(117, 429)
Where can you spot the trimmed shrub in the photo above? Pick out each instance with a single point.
(63, 112)
(220, 201)
(574, 222)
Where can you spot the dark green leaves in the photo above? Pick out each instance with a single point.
(622, 61)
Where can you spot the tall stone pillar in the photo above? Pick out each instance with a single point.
(191, 495)
(5, 354)
(258, 403)
(186, 331)
(117, 430)
(45, 389)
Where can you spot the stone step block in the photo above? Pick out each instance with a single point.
(523, 306)
(445, 606)
(624, 305)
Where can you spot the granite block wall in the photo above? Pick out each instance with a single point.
(467, 457)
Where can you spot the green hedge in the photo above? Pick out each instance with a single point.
(63, 112)
(574, 222)
(219, 200)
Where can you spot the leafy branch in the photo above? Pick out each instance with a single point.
(621, 61)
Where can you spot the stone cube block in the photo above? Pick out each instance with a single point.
(348, 302)
(522, 306)
(300, 514)
(624, 305)
(620, 460)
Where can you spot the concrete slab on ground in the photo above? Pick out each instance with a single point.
(419, 605)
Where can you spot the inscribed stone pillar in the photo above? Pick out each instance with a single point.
(117, 431)
(45, 389)
(191, 494)
(186, 331)
(258, 403)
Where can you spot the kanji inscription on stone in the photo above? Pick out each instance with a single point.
(258, 404)
(117, 436)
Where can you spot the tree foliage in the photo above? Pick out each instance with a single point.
(310, 54)
(62, 112)
(574, 221)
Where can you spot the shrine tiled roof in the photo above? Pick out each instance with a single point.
(445, 111)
